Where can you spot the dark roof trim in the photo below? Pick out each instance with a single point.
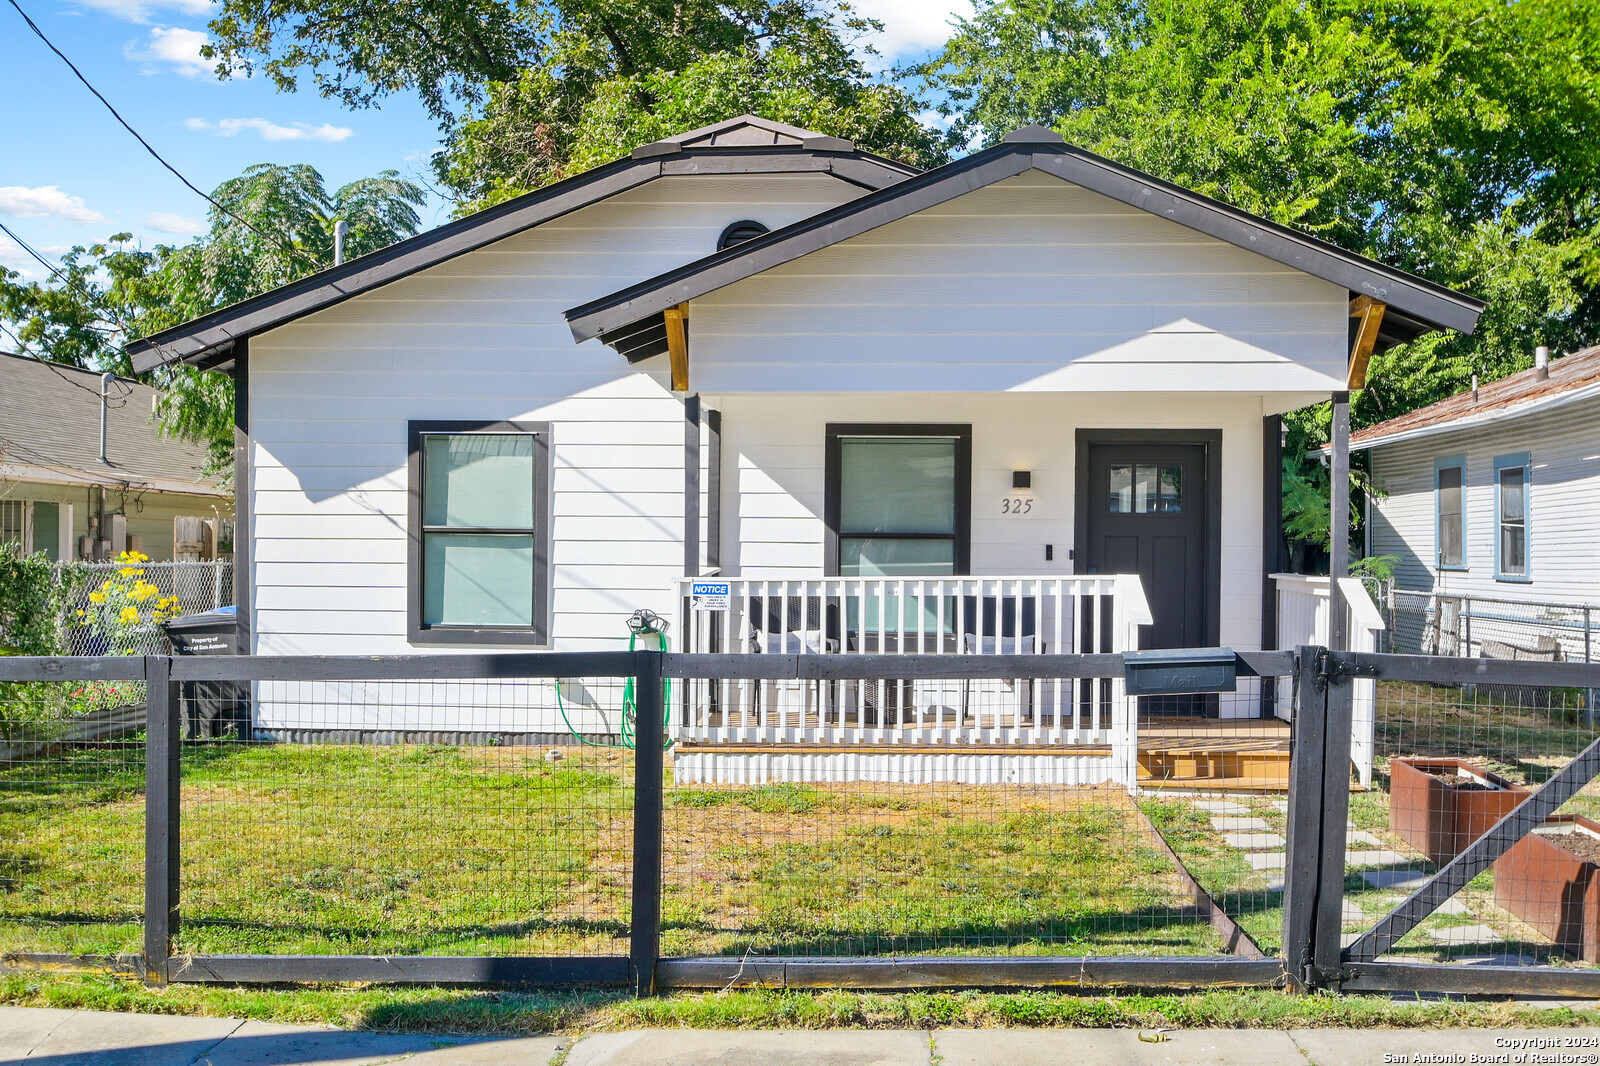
(1415, 305)
(193, 341)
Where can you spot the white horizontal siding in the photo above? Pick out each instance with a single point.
(1564, 507)
(1029, 284)
(481, 337)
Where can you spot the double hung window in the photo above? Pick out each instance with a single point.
(479, 532)
(1511, 484)
(899, 500)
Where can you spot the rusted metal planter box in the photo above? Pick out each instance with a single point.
(1555, 891)
(1441, 821)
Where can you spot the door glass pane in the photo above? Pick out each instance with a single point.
(890, 557)
(898, 485)
(1144, 489)
(474, 579)
(478, 479)
(1171, 489)
(1121, 489)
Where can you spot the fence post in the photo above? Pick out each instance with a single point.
(1302, 866)
(162, 755)
(1339, 690)
(644, 946)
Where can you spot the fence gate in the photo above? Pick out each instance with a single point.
(1470, 865)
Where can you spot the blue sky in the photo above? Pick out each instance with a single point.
(70, 175)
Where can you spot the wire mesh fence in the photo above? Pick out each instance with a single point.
(72, 814)
(1452, 760)
(87, 628)
(451, 816)
(1439, 623)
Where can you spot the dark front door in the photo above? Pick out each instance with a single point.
(1146, 506)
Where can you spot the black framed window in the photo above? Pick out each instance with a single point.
(899, 500)
(478, 564)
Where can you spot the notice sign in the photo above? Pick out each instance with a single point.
(709, 595)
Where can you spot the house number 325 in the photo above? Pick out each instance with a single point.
(1016, 505)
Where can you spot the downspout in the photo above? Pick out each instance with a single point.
(340, 228)
(105, 389)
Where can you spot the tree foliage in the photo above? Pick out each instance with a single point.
(278, 226)
(532, 92)
(1452, 138)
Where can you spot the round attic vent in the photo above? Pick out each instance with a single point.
(740, 232)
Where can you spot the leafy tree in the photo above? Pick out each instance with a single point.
(529, 93)
(277, 227)
(1452, 138)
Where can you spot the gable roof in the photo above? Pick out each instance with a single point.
(1571, 378)
(629, 319)
(50, 431)
(744, 145)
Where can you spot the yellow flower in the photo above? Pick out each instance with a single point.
(97, 597)
(80, 612)
(143, 591)
(131, 571)
(129, 615)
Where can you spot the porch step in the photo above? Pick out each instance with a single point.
(1211, 768)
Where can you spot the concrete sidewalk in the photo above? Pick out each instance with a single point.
(88, 1038)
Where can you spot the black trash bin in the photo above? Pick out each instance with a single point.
(211, 708)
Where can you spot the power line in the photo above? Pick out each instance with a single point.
(285, 245)
(67, 280)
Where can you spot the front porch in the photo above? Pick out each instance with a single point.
(985, 726)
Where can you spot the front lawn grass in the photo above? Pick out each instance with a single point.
(415, 849)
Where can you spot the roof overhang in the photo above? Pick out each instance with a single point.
(630, 320)
(205, 341)
(38, 474)
(1538, 405)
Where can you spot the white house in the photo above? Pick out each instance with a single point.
(810, 371)
(1490, 499)
(59, 485)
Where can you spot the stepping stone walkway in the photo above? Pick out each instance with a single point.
(1266, 860)
(1350, 912)
(1239, 825)
(1357, 836)
(1221, 807)
(1382, 857)
(1464, 934)
(1402, 878)
(1253, 841)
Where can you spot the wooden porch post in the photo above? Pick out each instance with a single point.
(1339, 516)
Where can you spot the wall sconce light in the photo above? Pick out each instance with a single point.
(1022, 479)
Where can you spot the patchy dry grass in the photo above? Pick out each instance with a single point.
(441, 1010)
(417, 849)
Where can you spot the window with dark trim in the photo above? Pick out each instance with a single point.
(1450, 512)
(898, 500)
(478, 559)
(1512, 485)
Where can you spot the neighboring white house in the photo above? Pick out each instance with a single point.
(1029, 365)
(56, 489)
(1491, 500)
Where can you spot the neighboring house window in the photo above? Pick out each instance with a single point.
(479, 532)
(1511, 485)
(1450, 513)
(899, 500)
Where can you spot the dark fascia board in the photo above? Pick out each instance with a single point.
(1416, 305)
(197, 340)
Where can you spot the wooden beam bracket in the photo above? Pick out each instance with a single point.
(677, 319)
(1370, 312)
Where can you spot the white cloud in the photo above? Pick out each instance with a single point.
(142, 10)
(175, 48)
(911, 28)
(167, 222)
(271, 131)
(47, 201)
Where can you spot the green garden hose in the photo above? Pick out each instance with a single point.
(643, 624)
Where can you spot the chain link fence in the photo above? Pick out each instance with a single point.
(1438, 623)
(192, 586)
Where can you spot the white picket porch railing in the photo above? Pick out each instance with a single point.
(1304, 603)
(916, 616)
